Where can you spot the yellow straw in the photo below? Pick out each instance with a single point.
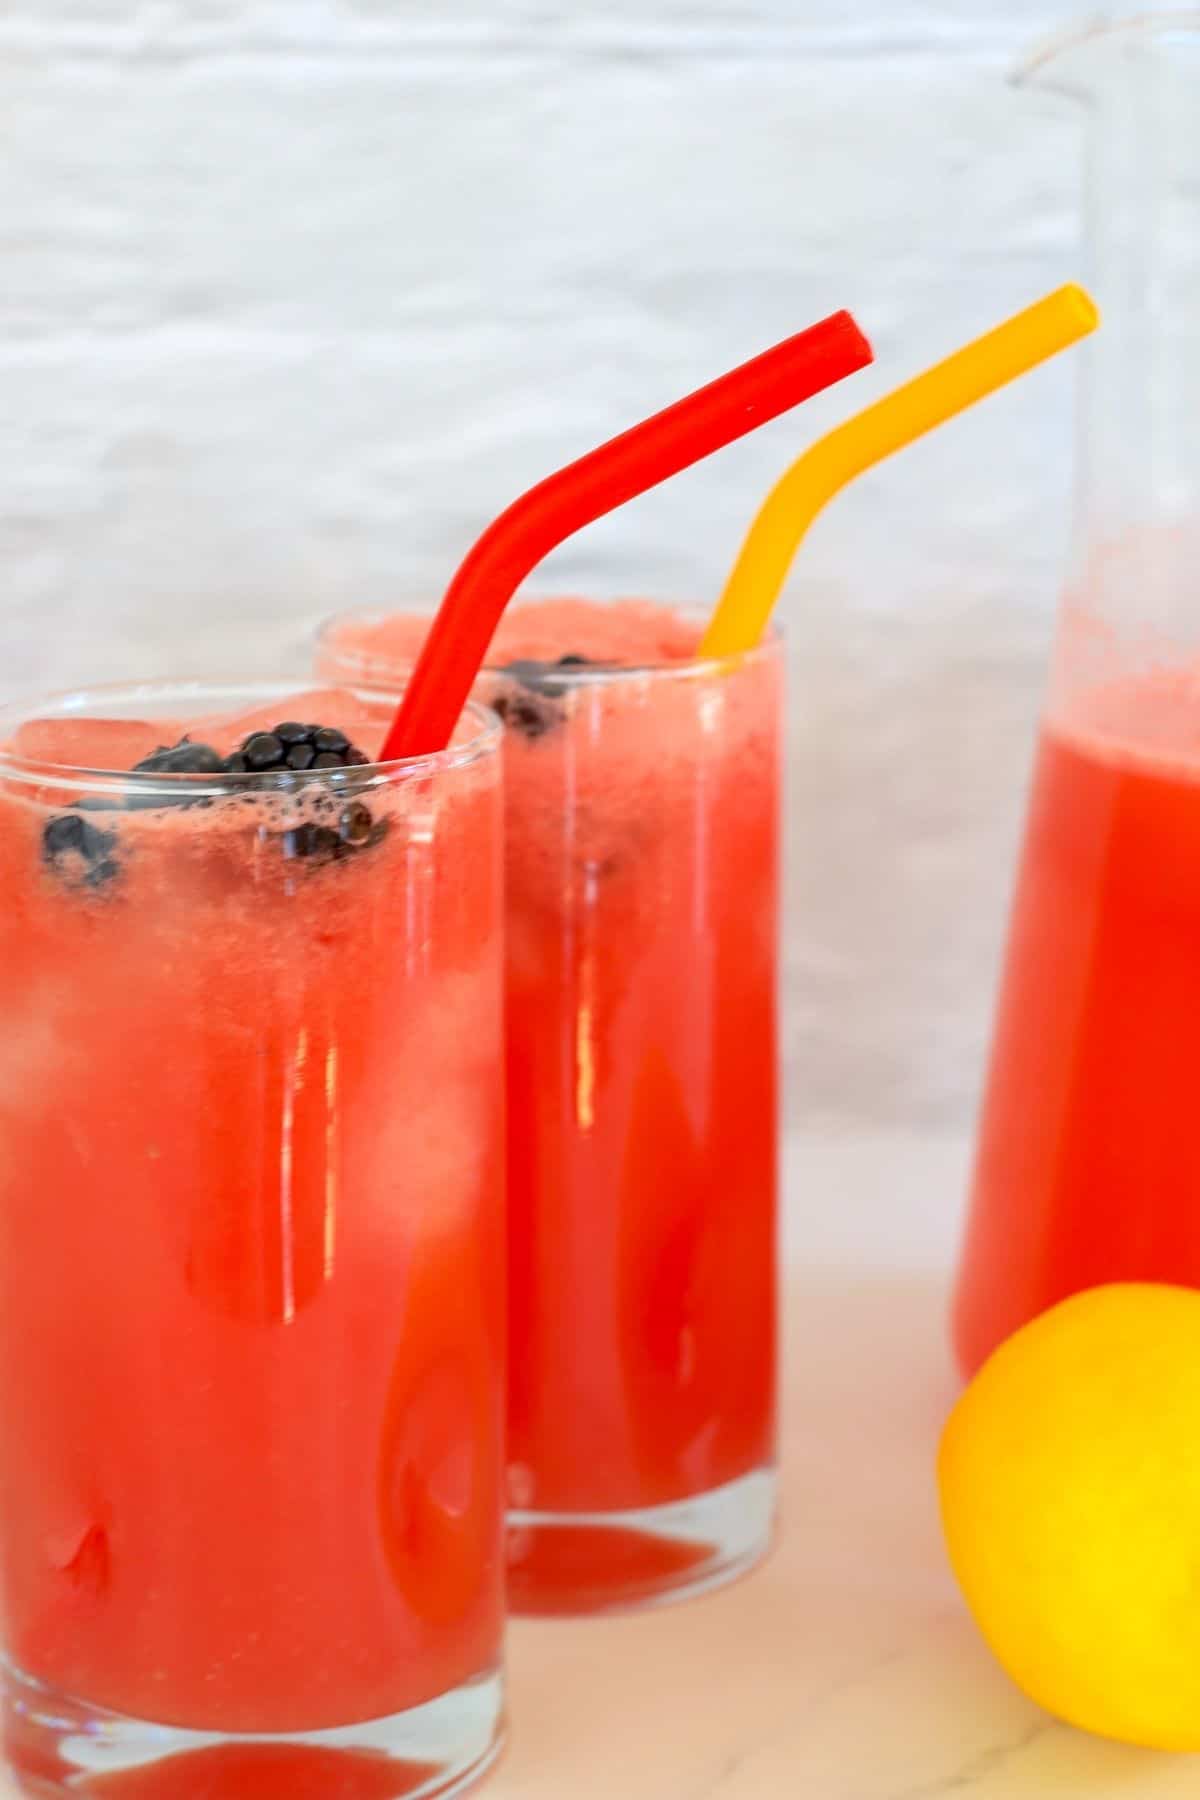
(973, 372)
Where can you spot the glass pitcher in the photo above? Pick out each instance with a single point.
(1088, 1159)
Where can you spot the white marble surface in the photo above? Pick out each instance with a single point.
(846, 1668)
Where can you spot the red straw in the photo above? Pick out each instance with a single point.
(598, 483)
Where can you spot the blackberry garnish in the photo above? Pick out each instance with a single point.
(533, 709)
(530, 716)
(78, 851)
(292, 748)
(183, 758)
(356, 830)
(528, 706)
(296, 749)
(317, 841)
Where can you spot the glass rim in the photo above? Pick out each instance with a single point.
(692, 668)
(81, 702)
(1041, 64)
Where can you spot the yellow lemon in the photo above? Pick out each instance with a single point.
(1070, 1488)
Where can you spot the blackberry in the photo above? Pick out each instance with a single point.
(533, 708)
(292, 748)
(296, 749)
(79, 852)
(356, 830)
(319, 842)
(183, 758)
(527, 713)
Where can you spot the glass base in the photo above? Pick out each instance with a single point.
(56, 1745)
(569, 1563)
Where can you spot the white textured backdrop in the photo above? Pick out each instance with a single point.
(295, 294)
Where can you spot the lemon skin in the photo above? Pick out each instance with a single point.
(1069, 1477)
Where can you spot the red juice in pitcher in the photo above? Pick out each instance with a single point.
(1088, 1164)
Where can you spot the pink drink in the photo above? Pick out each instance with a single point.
(641, 834)
(251, 1315)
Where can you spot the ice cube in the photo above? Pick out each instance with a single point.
(77, 743)
(364, 722)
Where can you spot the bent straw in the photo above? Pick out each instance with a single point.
(973, 372)
(585, 490)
